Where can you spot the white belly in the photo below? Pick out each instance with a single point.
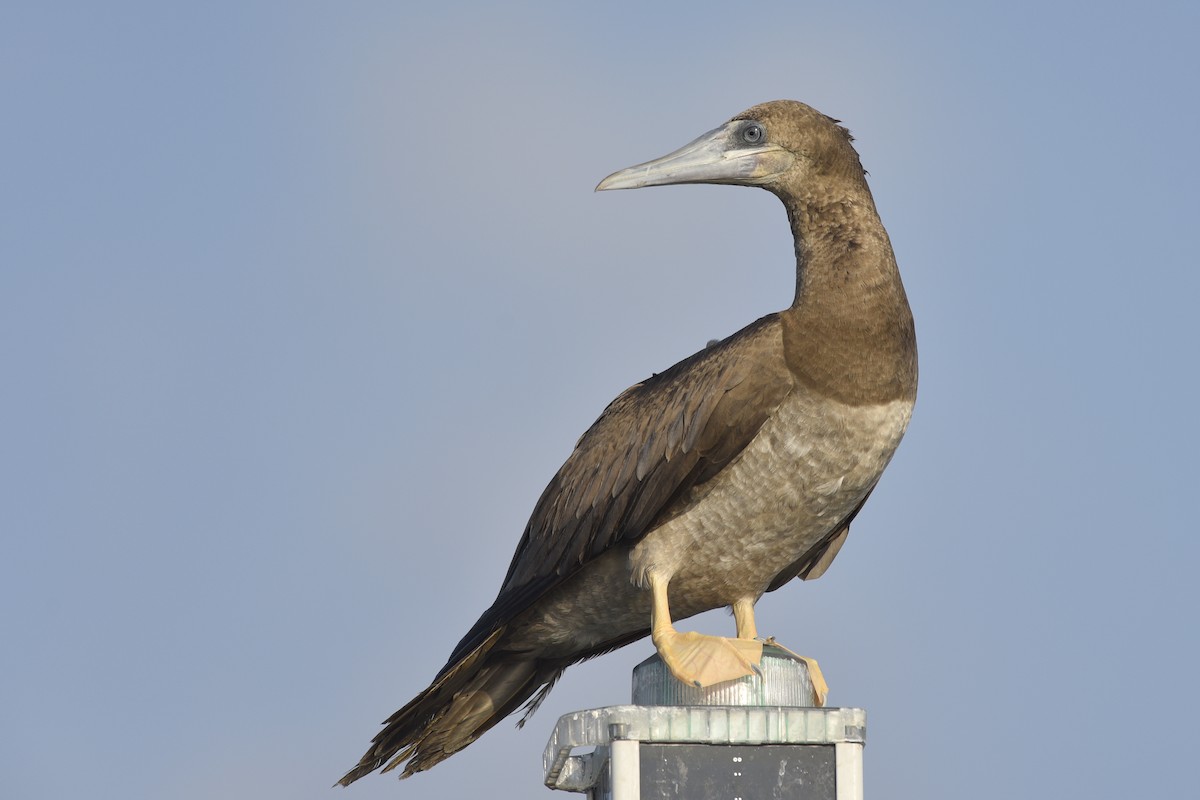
(809, 466)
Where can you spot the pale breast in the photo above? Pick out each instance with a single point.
(809, 466)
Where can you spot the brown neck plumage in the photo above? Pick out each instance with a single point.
(849, 332)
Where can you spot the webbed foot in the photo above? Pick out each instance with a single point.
(819, 686)
(702, 660)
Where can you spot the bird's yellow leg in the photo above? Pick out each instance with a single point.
(743, 617)
(819, 686)
(694, 657)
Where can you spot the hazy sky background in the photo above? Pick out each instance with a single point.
(302, 304)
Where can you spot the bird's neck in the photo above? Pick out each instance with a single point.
(849, 331)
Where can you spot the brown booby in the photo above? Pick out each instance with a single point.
(709, 484)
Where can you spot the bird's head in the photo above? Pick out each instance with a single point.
(776, 145)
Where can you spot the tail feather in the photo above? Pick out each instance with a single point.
(466, 700)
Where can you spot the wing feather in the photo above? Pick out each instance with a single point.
(653, 445)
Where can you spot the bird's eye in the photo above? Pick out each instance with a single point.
(753, 133)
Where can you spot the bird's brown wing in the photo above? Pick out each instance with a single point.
(628, 473)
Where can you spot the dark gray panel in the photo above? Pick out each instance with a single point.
(730, 772)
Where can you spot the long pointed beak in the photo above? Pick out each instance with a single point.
(716, 157)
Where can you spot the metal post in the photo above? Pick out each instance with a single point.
(848, 757)
(626, 764)
(754, 737)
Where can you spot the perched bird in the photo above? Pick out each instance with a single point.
(708, 484)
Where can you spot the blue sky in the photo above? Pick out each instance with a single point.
(302, 304)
